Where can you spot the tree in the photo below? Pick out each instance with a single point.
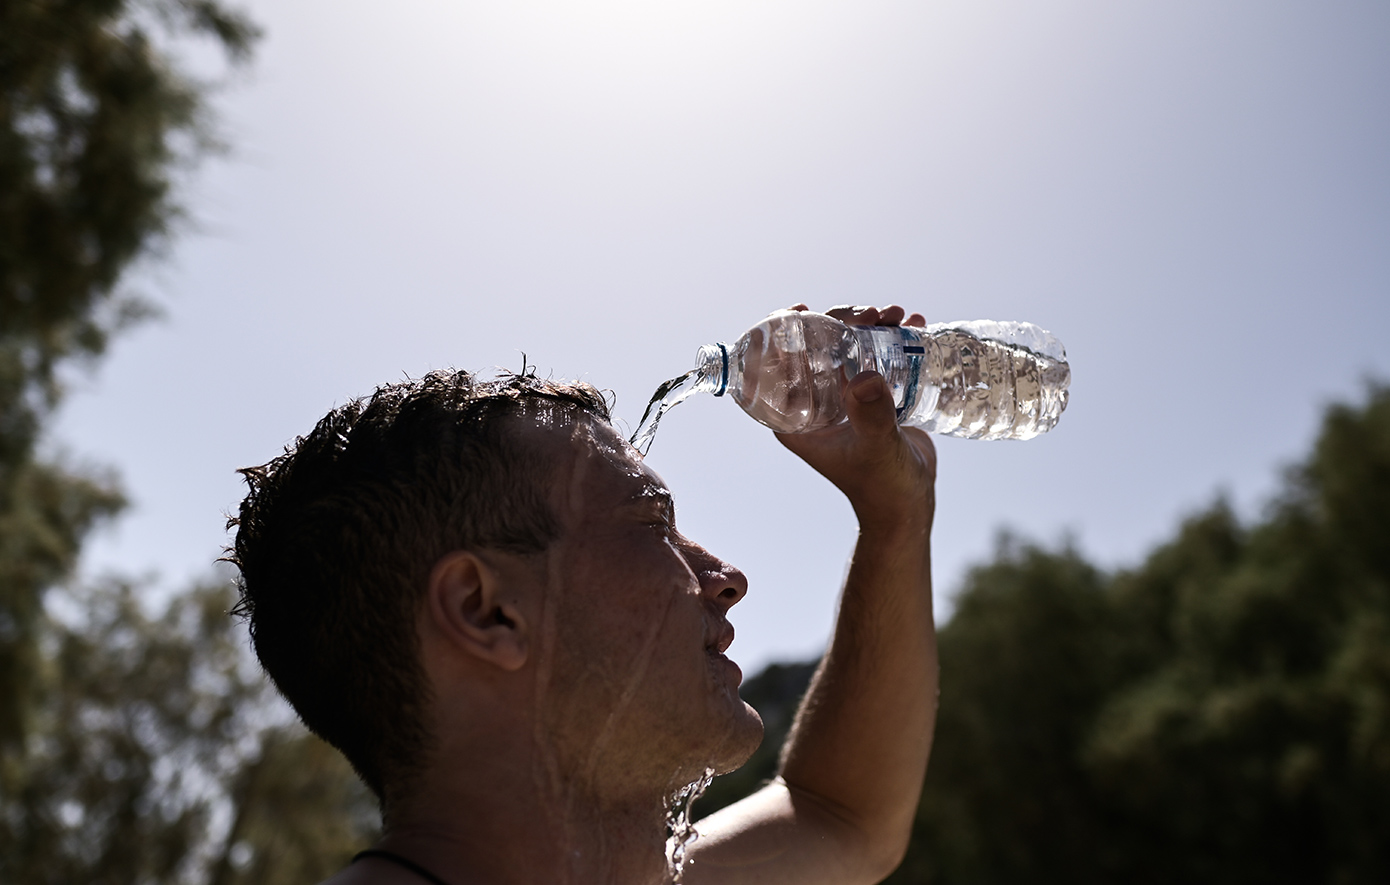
(1220, 713)
(96, 123)
(1259, 748)
(1028, 659)
(162, 755)
(133, 747)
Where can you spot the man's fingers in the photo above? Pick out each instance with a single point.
(865, 315)
(869, 405)
(855, 315)
(891, 315)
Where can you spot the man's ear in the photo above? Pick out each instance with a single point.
(467, 604)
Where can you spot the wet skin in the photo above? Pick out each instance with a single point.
(576, 688)
(640, 688)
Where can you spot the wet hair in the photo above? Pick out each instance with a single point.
(336, 539)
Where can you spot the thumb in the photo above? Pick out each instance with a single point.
(869, 405)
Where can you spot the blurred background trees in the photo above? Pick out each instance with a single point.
(134, 747)
(158, 753)
(1219, 713)
(95, 123)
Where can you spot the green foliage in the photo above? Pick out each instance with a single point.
(95, 124)
(301, 815)
(132, 748)
(45, 512)
(1027, 660)
(1219, 714)
(160, 754)
(1259, 749)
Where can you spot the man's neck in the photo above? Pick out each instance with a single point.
(507, 827)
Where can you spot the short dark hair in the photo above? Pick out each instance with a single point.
(336, 539)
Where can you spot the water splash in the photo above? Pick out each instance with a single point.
(669, 394)
(683, 833)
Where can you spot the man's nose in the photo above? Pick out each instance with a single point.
(719, 581)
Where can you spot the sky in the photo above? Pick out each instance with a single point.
(1194, 197)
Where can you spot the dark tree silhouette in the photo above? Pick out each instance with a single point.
(96, 123)
(1219, 714)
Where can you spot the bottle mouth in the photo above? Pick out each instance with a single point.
(714, 359)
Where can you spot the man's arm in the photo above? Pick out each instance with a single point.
(852, 769)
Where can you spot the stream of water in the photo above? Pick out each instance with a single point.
(683, 833)
(669, 394)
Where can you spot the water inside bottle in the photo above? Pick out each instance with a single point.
(669, 394)
(789, 370)
(678, 821)
(988, 380)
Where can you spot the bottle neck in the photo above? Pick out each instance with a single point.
(712, 361)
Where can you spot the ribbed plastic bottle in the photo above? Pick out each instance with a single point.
(976, 380)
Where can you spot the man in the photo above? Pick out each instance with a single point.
(477, 591)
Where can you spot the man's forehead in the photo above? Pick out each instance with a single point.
(617, 466)
(592, 461)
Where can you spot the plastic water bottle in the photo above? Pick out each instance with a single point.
(977, 380)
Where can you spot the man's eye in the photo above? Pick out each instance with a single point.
(664, 525)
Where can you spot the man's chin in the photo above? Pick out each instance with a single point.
(746, 735)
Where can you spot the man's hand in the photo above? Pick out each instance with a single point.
(887, 472)
(841, 811)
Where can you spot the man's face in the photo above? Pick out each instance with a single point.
(633, 678)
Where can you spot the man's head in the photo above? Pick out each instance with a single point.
(449, 534)
(337, 537)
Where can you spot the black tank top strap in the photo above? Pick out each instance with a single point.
(396, 859)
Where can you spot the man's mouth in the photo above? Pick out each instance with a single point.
(723, 638)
